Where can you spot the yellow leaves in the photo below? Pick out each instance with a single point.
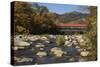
(92, 32)
(22, 7)
(33, 19)
(20, 28)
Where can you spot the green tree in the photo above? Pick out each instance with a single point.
(92, 31)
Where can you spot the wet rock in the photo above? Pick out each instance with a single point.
(67, 42)
(23, 59)
(39, 45)
(79, 37)
(73, 37)
(21, 37)
(52, 36)
(66, 37)
(32, 38)
(81, 40)
(16, 48)
(55, 48)
(57, 51)
(18, 37)
(84, 53)
(35, 37)
(47, 41)
(41, 48)
(77, 47)
(41, 53)
(44, 38)
(21, 43)
(75, 42)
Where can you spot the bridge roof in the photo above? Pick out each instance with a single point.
(73, 25)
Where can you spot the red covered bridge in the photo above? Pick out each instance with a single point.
(72, 27)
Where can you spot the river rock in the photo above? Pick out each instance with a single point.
(84, 53)
(41, 48)
(44, 38)
(67, 42)
(52, 36)
(47, 41)
(66, 37)
(41, 53)
(21, 43)
(39, 45)
(57, 51)
(22, 59)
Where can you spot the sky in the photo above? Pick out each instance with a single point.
(63, 8)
